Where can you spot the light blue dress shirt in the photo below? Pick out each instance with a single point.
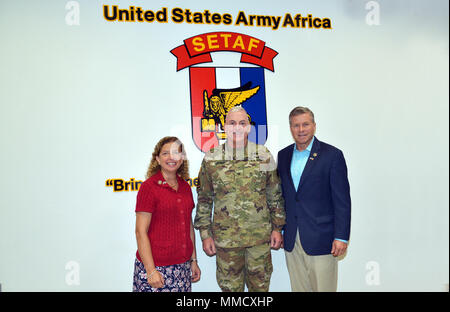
(298, 164)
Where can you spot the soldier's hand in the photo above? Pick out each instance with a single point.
(209, 247)
(275, 240)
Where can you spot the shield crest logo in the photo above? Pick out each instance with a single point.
(215, 90)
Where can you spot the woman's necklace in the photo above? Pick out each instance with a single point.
(172, 185)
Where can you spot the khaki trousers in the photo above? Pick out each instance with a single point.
(311, 273)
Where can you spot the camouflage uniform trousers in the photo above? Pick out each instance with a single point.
(244, 265)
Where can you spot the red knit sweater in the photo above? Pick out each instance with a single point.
(169, 230)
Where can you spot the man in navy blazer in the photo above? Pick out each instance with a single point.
(317, 201)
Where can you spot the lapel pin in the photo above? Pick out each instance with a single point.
(315, 154)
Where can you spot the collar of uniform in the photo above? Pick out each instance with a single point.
(230, 148)
(232, 152)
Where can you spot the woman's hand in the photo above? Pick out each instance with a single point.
(195, 272)
(155, 280)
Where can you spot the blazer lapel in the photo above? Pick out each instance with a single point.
(311, 162)
(287, 163)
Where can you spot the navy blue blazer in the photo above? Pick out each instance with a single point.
(320, 209)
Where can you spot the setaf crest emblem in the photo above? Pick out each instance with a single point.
(215, 89)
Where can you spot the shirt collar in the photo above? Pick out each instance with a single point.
(308, 149)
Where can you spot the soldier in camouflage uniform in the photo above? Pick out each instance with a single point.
(239, 179)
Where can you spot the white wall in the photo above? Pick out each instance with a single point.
(83, 104)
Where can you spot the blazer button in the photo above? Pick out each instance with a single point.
(178, 200)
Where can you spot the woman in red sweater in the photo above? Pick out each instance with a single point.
(166, 257)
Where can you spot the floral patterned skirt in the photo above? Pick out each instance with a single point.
(177, 278)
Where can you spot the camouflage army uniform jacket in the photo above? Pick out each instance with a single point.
(244, 188)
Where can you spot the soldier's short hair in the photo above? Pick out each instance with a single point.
(299, 110)
(237, 108)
